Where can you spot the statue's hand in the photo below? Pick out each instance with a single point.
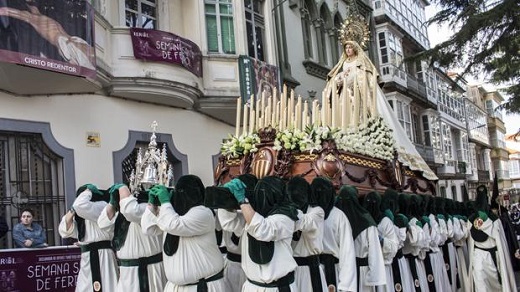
(339, 77)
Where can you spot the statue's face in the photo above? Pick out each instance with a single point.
(349, 50)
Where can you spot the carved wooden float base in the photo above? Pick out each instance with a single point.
(340, 167)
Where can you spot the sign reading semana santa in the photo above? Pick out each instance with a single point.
(39, 269)
(161, 46)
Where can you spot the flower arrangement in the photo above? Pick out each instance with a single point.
(373, 139)
(235, 147)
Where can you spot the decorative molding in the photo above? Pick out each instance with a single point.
(316, 69)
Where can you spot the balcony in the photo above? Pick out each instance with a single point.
(503, 174)
(416, 87)
(426, 152)
(390, 73)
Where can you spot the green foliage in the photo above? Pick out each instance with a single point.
(486, 41)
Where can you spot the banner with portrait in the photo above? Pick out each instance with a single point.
(257, 76)
(55, 35)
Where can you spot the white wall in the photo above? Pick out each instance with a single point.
(71, 116)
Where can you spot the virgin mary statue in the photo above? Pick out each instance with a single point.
(355, 78)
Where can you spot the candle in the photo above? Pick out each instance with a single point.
(298, 117)
(277, 114)
(252, 119)
(239, 109)
(244, 124)
(344, 109)
(283, 107)
(334, 104)
(315, 112)
(305, 115)
(356, 104)
(290, 112)
(269, 109)
(349, 107)
(258, 114)
(323, 113)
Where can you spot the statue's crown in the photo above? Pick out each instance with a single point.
(355, 28)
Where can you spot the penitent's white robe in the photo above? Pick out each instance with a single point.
(338, 241)
(413, 245)
(90, 211)
(197, 256)
(407, 283)
(278, 228)
(439, 235)
(310, 244)
(137, 245)
(232, 222)
(459, 240)
(482, 270)
(387, 231)
(367, 246)
(452, 254)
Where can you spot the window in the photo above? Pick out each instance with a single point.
(514, 168)
(465, 147)
(465, 195)
(416, 128)
(31, 176)
(454, 192)
(326, 38)
(447, 143)
(255, 29)
(336, 45)
(436, 133)
(391, 52)
(427, 132)
(219, 26)
(307, 15)
(443, 191)
(402, 111)
(141, 13)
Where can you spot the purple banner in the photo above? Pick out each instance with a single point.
(40, 269)
(160, 46)
(50, 35)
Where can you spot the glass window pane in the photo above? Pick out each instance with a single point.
(131, 4)
(210, 8)
(228, 35)
(148, 10)
(226, 9)
(212, 33)
(131, 19)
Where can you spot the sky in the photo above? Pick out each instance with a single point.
(438, 34)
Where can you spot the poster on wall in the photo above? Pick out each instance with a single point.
(49, 34)
(257, 76)
(161, 46)
(39, 269)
